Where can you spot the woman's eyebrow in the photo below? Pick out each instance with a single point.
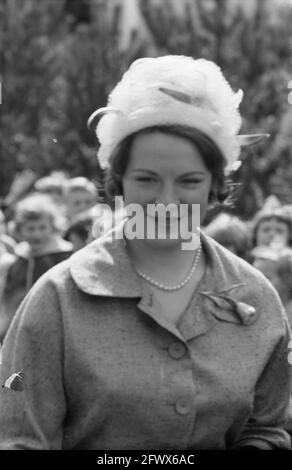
(145, 170)
(189, 173)
(193, 173)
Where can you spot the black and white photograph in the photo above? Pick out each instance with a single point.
(146, 229)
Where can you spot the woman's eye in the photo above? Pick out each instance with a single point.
(191, 181)
(144, 179)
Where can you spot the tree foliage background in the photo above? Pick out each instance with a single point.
(60, 58)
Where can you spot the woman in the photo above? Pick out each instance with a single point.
(137, 343)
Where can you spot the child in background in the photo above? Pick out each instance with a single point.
(52, 186)
(272, 227)
(80, 195)
(41, 249)
(88, 226)
(79, 230)
(232, 233)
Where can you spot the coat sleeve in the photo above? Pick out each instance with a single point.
(32, 418)
(272, 403)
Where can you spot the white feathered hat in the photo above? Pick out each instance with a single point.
(171, 90)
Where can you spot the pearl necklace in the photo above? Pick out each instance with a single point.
(177, 286)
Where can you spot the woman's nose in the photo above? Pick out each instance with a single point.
(167, 195)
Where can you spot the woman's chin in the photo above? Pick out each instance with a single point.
(163, 243)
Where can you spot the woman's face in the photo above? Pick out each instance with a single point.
(79, 200)
(166, 169)
(272, 231)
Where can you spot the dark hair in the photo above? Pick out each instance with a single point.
(81, 226)
(211, 155)
(229, 230)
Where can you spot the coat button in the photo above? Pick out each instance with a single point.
(183, 406)
(177, 350)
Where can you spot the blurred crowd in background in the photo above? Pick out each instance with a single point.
(42, 222)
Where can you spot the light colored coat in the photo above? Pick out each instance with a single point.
(103, 369)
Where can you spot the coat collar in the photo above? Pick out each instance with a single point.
(103, 267)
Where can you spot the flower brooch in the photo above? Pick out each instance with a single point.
(14, 382)
(230, 310)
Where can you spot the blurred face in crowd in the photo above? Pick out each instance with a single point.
(37, 232)
(79, 200)
(272, 231)
(166, 169)
(55, 195)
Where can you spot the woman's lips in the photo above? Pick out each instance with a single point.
(166, 221)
